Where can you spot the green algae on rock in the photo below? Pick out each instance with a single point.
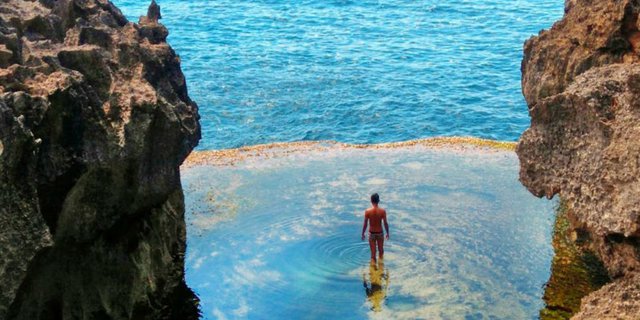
(575, 271)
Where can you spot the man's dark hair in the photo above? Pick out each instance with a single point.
(375, 198)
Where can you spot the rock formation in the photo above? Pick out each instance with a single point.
(581, 80)
(95, 121)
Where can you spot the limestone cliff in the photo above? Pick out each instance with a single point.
(581, 80)
(95, 121)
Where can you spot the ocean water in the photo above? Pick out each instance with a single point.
(353, 71)
(279, 238)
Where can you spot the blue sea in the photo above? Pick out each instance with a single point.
(353, 71)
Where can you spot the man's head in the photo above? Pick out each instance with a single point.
(375, 198)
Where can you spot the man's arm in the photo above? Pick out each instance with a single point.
(364, 225)
(386, 225)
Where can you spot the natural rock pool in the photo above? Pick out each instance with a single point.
(277, 235)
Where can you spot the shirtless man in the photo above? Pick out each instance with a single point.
(374, 217)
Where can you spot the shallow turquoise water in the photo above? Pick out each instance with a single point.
(353, 71)
(280, 238)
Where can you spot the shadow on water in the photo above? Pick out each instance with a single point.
(376, 283)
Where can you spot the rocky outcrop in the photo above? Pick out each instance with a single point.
(617, 300)
(95, 121)
(581, 80)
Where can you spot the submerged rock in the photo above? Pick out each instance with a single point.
(95, 120)
(581, 80)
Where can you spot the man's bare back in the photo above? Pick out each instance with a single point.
(375, 216)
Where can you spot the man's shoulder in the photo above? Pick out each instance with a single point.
(370, 211)
(373, 210)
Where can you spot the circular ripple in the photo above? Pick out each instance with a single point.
(338, 254)
(326, 258)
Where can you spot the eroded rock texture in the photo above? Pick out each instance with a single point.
(94, 122)
(581, 80)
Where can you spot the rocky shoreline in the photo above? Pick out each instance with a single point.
(232, 156)
(95, 120)
(581, 82)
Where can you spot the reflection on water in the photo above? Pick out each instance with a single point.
(279, 238)
(376, 284)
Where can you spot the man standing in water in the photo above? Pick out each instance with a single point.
(374, 217)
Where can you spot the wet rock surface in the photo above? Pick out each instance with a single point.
(581, 80)
(95, 120)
